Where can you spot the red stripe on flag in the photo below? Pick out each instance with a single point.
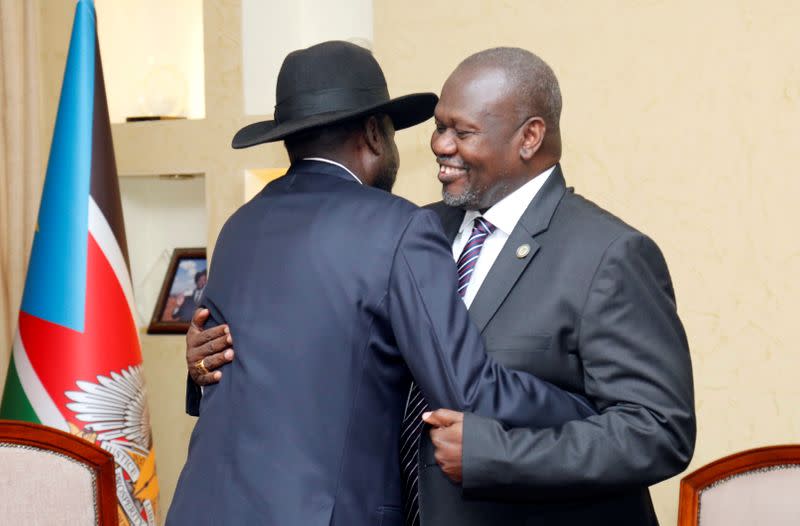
(61, 356)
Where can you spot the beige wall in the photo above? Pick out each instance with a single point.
(680, 117)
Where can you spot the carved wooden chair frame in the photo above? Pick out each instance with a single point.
(692, 485)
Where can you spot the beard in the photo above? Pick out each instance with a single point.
(387, 176)
(468, 199)
(472, 198)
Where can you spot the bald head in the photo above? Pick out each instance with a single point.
(534, 84)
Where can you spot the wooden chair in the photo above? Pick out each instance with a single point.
(754, 487)
(50, 477)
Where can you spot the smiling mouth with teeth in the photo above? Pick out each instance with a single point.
(451, 171)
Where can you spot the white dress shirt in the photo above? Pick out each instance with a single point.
(504, 215)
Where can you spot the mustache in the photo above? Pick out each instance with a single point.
(450, 161)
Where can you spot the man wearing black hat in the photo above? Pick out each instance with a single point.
(335, 291)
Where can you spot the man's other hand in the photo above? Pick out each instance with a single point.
(447, 438)
(213, 346)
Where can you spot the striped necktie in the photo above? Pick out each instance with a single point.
(416, 404)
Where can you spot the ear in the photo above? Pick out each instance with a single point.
(373, 135)
(533, 131)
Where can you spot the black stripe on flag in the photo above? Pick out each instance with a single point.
(105, 184)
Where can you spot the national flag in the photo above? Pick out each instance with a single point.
(76, 363)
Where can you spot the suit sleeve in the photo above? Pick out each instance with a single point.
(443, 349)
(637, 372)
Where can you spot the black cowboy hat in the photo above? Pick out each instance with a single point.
(332, 82)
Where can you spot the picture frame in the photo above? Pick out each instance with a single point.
(183, 283)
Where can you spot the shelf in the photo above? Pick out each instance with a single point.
(153, 59)
(162, 212)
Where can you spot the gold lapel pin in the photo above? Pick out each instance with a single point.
(523, 250)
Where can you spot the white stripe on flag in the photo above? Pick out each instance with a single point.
(46, 410)
(102, 234)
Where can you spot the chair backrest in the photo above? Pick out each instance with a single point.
(51, 477)
(754, 487)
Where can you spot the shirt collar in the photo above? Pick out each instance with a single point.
(343, 167)
(506, 213)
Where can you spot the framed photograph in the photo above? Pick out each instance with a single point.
(180, 294)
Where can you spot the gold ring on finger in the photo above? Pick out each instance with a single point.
(201, 366)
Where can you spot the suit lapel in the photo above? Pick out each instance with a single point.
(507, 268)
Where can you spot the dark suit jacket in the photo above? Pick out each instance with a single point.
(592, 310)
(333, 292)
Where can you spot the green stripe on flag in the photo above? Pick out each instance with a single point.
(15, 405)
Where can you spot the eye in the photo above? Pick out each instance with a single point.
(461, 134)
(440, 128)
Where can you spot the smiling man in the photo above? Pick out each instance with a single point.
(563, 290)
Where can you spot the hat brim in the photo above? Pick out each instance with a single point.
(405, 111)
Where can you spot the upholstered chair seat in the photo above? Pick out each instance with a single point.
(48, 477)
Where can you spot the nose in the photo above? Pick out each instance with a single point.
(442, 143)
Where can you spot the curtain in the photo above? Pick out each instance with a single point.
(21, 174)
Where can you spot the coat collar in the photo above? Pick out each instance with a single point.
(322, 167)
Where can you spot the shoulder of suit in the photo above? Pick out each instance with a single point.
(587, 217)
(445, 212)
(580, 209)
(437, 207)
(589, 230)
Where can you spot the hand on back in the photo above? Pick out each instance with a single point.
(207, 350)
